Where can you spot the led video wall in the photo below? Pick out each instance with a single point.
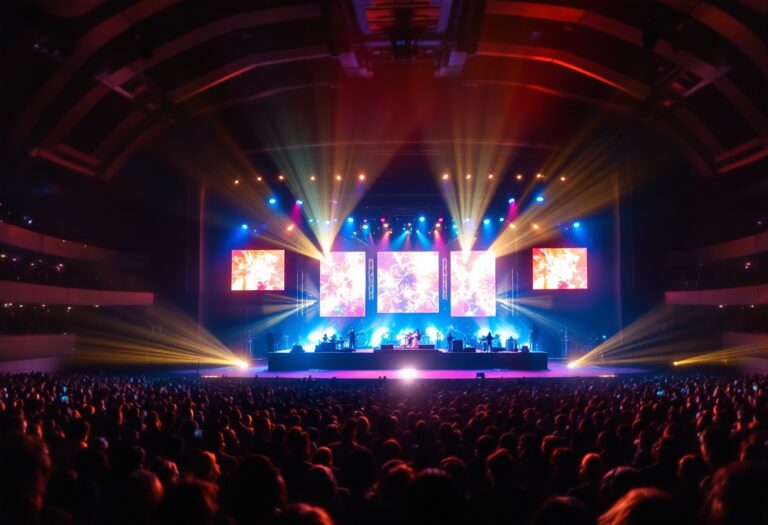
(560, 269)
(473, 284)
(342, 285)
(408, 282)
(258, 270)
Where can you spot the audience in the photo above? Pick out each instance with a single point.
(656, 450)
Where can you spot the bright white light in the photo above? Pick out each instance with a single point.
(432, 333)
(408, 374)
(241, 363)
(378, 335)
(572, 365)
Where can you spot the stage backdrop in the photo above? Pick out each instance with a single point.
(473, 284)
(408, 282)
(342, 285)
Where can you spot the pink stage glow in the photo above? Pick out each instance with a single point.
(559, 268)
(408, 282)
(473, 284)
(342, 285)
(258, 270)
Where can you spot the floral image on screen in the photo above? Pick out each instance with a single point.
(258, 270)
(559, 268)
(408, 282)
(342, 285)
(473, 284)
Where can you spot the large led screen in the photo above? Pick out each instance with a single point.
(258, 270)
(559, 268)
(473, 284)
(342, 285)
(408, 282)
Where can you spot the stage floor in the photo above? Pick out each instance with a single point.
(556, 369)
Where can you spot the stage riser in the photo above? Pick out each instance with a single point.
(395, 360)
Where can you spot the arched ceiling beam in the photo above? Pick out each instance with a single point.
(167, 51)
(570, 61)
(732, 29)
(86, 47)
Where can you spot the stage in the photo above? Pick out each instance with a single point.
(555, 370)
(405, 359)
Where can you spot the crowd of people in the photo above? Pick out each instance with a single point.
(93, 449)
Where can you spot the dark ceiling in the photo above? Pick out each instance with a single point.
(86, 84)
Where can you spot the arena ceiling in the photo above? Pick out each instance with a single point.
(87, 84)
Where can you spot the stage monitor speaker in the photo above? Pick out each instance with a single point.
(387, 347)
(458, 346)
(525, 349)
(469, 349)
(297, 349)
(426, 347)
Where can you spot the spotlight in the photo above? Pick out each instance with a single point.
(511, 200)
(486, 221)
(422, 218)
(519, 176)
(241, 363)
(562, 179)
(281, 177)
(383, 219)
(361, 177)
(440, 219)
(350, 219)
(445, 176)
(338, 177)
(577, 224)
(299, 202)
(327, 222)
(312, 178)
(540, 198)
(408, 374)
(365, 226)
(572, 365)
(272, 200)
(501, 219)
(290, 227)
(386, 225)
(535, 226)
(490, 175)
(469, 176)
(539, 175)
(675, 363)
(258, 179)
(237, 181)
(512, 226)
(243, 226)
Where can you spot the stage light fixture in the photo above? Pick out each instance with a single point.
(535, 226)
(241, 363)
(511, 200)
(299, 202)
(577, 224)
(490, 175)
(272, 200)
(338, 177)
(408, 374)
(237, 181)
(501, 219)
(572, 365)
(540, 198)
(386, 225)
(422, 218)
(312, 178)
(562, 179)
(539, 175)
(361, 177)
(365, 226)
(281, 177)
(244, 226)
(258, 179)
(350, 220)
(519, 176)
(512, 226)
(383, 219)
(469, 176)
(439, 219)
(446, 176)
(290, 227)
(486, 221)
